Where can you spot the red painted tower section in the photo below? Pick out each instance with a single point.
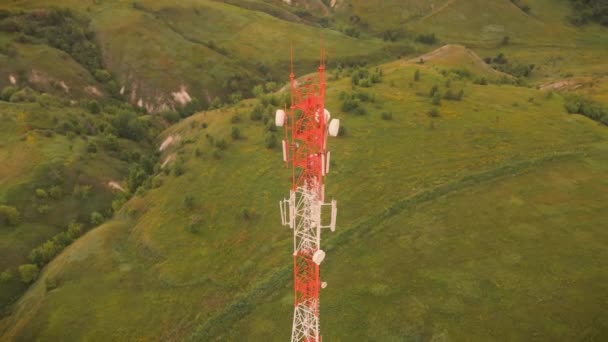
(304, 149)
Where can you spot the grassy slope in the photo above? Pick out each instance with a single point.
(49, 64)
(27, 156)
(150, 278)
(178, 36)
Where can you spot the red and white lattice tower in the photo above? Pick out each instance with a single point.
(307, 127)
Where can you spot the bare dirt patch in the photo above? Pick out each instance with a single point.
(168, 142)
(168, 160)
(116, 186)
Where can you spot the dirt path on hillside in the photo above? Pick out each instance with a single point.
(439, 9)
(116, 186)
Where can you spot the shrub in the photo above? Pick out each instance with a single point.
(216, 154)
(434, 113)
(352, 32)
(270, 86)
(216, 103)
(56, 192)
(221, 144)
(7, 92)
(270, 141)
(258, 91)
(434, 89)
(387, 115)
(235, 133)
(44, 253)
(23, 95)
(81, 191)
(9, 215)
(390, 35)
(236, 97)
(28, 273)
(257, 113)
(189, 202)
(248, 213)
(417, 75)
(129, 126)
(426, 38)
(102, 75)
(74, 230)
(437, 99)
(460, 95)
(91, 147)
(93, 107)
(235, 119)
(41, 194)
(481, 81)
(586, 107)
(111, 142)
(178, 169)
(6, 276)
(43, 209)
(171, 116)
(96, 218)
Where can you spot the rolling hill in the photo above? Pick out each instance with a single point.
(178, 264)
(472, 192)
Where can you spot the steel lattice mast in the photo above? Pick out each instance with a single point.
(307, 127)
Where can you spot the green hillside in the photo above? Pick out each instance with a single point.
(209, 48)
(58, 164)
(180, 254)
(470, 177)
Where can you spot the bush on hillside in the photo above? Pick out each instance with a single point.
(6, 276)
(235, 133)
(257, 113)
(93, 107)
(7, 92)
(580, 105)
(91, 147)
(427, 38)
(451, 96)
(24, 95)
(56, 192)
(390, 35)
(437, 99)
(81, 191)
(434, 89)
(170, 116)
(588, 11)
(221, 144)
(28, 273)
(434, 113)
(74, 230)
(129, 126)
(270, 141)
(43, 209)
(41, 193)
(44, 253)
(61, 29)
(9, 215)
(96, 218)
(387, 116)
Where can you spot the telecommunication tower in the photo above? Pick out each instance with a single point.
(307, 126)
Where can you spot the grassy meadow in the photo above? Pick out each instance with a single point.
(461, 210)
(472, 205)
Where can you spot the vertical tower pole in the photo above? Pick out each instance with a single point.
(304, 149)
